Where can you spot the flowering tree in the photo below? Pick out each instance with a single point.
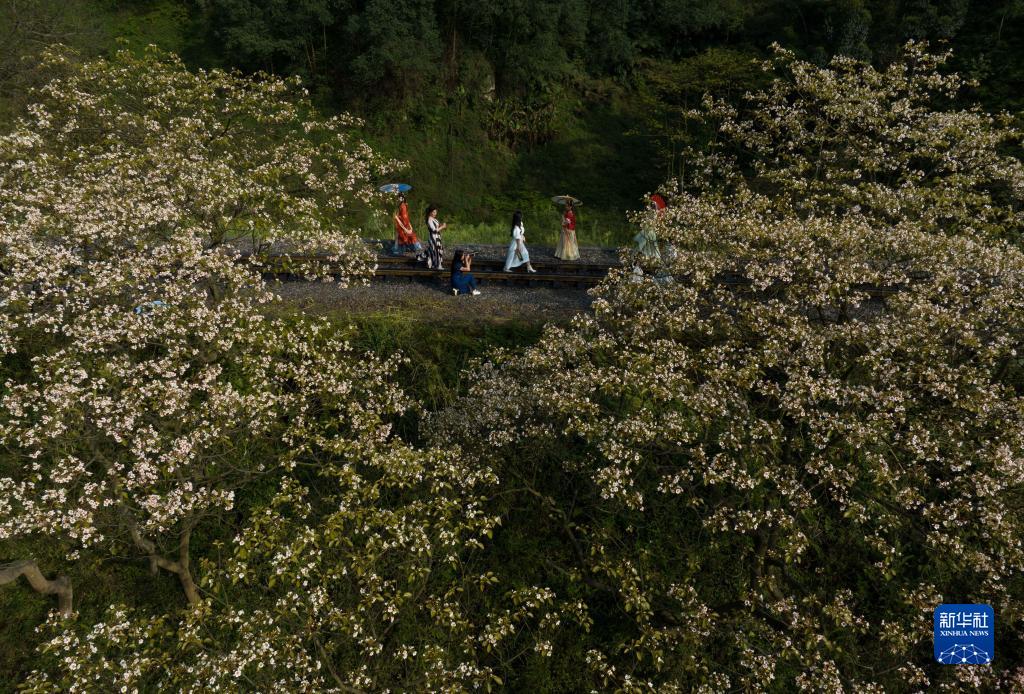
(767, 473)
(370, 584)
(147, 395)
(143, 387)
(887, 143)
(762, 475)
(209, 155)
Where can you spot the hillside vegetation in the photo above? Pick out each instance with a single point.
(498, 106)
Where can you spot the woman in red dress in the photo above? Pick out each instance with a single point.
(405, 237)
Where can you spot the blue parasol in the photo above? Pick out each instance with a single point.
(148, 306)
(395, 188)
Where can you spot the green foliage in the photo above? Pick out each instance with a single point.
(518, 123)
(396, 47)
(438, 352)
(888, 144)
(436, 356)
(989, 50)
(496, 107)
(451, 163)
(274, 35)
(29, 27)
(94, 582)
(165, 23)
(477, 183)
(669, 89)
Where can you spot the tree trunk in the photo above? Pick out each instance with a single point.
(60, 586)
(181, 567)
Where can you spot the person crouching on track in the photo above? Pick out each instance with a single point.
(463, 281)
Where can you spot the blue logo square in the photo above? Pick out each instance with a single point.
(965, 634)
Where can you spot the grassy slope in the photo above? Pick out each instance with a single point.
(477, 183)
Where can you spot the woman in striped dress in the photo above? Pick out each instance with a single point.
(435, 249)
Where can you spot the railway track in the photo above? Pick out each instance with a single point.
(550, 272)
(556, 274)
(491, 271)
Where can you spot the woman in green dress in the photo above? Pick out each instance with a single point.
(647, 239)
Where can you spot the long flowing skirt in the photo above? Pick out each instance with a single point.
(647, 243)
(435, 251)
(405, 242)
(567, 248)
(402, 248)
(514, 258)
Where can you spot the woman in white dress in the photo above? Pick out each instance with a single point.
(517, 253)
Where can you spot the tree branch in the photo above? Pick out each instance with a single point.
(60, 586)
(180, 567)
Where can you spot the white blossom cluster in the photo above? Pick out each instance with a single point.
(881, 143)
(368, 586)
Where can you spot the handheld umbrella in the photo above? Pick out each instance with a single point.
(395, 188)
(565, 200)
